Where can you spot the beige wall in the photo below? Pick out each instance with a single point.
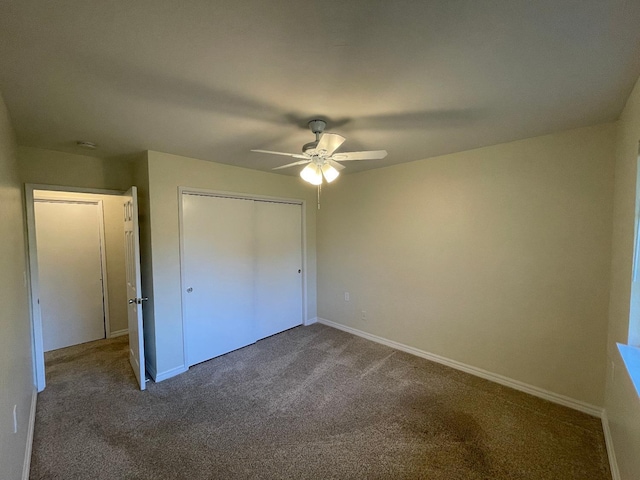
(66, 169)
(114, 250)
(16, 368)
(166, 174)
(622, 402)
(497, 257)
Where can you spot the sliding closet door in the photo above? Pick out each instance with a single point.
(278, 273)
(218, 260)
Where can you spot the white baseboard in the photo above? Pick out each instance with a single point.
(26, 466)
(478, 372)
(310, 321)
(159, 377)
(613, 462)
(119, 333)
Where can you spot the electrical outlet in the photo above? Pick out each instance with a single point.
(363, 316)
(15, 419)
(346, 296)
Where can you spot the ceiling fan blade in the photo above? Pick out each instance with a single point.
(294, 155)
(371, 155)
(334, 164)
(292, 164)
(330, 142)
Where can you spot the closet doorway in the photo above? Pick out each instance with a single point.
(242, 270)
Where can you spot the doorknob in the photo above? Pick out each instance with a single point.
(138, 300)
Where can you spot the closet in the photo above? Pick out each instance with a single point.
(241, 272)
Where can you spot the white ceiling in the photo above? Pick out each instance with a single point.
(214, 79)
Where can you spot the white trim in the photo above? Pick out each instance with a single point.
(36, 319)
(62, 188)
(613, 462)
(240, 196)
(159, 377)
(478, 372)
(310, 321)
(183, 288)
(26, 466)
(119, 333)
(305, 298)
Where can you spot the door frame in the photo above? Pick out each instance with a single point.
(32, 279)
(239, 196)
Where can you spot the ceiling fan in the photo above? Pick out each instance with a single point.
(320, 155)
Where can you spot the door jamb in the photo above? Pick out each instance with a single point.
(32, 280)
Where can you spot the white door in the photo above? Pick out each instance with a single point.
(218, 275)
(278, 272)
(68, 238)
(134, 289)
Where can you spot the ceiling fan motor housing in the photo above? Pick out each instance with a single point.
(317, 126)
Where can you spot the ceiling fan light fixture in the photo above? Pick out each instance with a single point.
(330, 173)
(320, 156)
(312, 173)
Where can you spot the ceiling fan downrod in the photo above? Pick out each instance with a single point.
(317, 127)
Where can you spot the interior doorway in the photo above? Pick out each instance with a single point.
(77, 267)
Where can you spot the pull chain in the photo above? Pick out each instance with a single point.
(319, 189)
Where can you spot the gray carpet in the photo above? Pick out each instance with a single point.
(309, 403)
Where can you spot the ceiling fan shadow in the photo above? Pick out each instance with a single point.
(302, 121)
(158, 86)
(425, 119)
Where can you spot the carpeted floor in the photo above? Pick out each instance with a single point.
(309, 403)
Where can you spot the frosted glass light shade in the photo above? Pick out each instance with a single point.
(330, 173)
(312, 174)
